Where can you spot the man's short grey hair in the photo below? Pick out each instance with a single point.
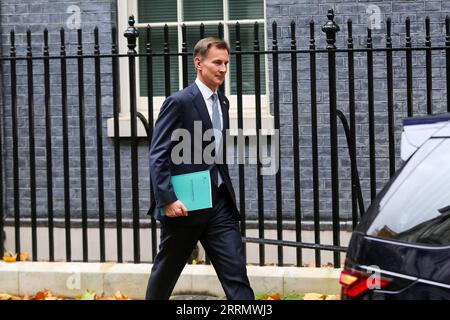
(202, 47)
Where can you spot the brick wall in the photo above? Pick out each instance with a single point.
(53, 15)
(37, 15)
(302, 12)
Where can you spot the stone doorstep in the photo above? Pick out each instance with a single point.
(73, 279)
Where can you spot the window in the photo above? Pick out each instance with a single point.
(193, 13)
(416, 206)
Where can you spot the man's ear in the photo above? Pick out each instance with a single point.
(197, 61)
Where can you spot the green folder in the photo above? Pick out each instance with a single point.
(193, 189)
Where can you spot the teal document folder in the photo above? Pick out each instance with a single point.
(193, 189)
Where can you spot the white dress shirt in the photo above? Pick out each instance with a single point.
(207, 96)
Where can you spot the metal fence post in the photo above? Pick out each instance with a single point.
(116, 110)
(132, 34)
(295, 146)
(330, 29)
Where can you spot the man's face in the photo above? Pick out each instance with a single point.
(211, 70)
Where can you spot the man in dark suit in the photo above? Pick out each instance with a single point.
(199, 106)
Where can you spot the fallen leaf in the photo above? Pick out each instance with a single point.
(88, 295)
(276, 296)
(328, 265)
(23, 256)
(9, 258)
(313, 296)
(119, 296)
(5, 296)
(46, 294)
(42, 295)
(39, 296)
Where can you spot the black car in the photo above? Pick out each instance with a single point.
(401, 247)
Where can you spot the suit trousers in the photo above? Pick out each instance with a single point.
(219, 235)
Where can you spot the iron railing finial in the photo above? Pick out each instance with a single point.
(131, 34)
(331, 28)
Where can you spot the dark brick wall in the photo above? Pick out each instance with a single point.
(37, 15)
(302, 12)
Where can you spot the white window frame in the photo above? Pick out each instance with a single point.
(125, 8)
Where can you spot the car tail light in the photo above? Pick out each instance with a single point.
(355, 283)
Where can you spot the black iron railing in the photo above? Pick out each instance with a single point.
(131, 144)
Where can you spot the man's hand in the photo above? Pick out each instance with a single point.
(175, 209)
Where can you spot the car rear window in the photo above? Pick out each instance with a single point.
(416, 206)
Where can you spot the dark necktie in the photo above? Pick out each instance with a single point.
(217, 125)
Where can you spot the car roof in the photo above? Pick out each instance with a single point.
(442, 120)
(417, 130)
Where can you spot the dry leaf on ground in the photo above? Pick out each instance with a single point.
(23, 256)
(88, 295)
(119, 296)
(46, 295)
(5, 296)
(274, 296)
(328, 265)
(314, 296)
(10, 258)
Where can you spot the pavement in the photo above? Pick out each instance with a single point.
(197, 282)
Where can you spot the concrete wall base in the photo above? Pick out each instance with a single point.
(73, 279)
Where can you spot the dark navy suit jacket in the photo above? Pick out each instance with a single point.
(180, 111)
